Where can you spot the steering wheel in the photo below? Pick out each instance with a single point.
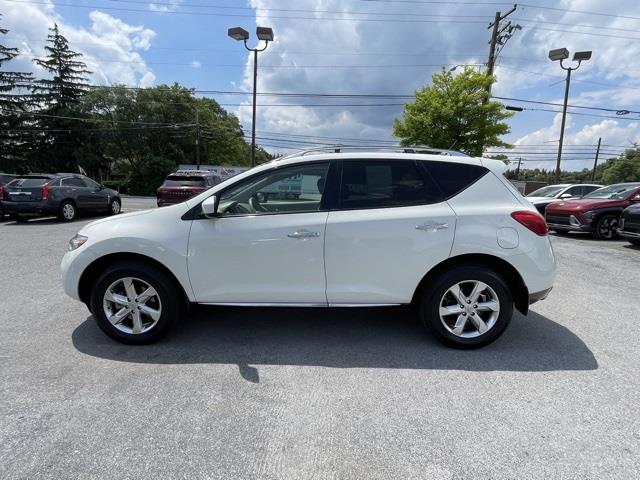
(256, 205)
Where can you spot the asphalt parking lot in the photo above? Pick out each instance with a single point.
(273, 393)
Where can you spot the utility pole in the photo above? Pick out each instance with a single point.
(595, 162)
(197, 139)
(499, 38)
(518, 168)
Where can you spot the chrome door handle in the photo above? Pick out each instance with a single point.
(303, 233)
(432, 226)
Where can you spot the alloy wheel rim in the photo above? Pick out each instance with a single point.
(68, 211)
(132, 306)
(608, 227)
(469, 309)
(115, 206)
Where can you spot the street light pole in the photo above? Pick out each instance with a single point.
(564, 119)
(265, 34)
(562, 54)
(253, 120)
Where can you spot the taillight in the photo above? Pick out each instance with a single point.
(45, 191)
(532, 220)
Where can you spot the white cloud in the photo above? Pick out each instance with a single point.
(196, 64)
(170, 6)
(524, 70)
(110, 47)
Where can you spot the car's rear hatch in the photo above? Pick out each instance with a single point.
(176, 189)
(25, 189)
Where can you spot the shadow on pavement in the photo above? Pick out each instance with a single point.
(340, 338)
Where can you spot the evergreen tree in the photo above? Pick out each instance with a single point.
(13, 101)
(58, 98)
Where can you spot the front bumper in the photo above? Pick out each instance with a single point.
(628, 234)
(537, 296)
(570, 228)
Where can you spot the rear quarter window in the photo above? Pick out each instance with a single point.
(452, 178)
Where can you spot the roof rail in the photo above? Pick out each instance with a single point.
(423, 149)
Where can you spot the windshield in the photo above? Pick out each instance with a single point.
(613, 191)
(176, 181)
(549, 191)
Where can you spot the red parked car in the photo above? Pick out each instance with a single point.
(597, 212)
(184, 184)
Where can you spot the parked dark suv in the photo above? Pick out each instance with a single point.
(4, 179)
(184, 184)
(60, 194)
(630, 224)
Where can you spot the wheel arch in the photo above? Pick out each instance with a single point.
(501, 267)
(92, 272)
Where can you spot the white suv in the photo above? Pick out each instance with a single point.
(448, 234)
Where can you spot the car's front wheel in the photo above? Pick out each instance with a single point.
(467, 306)
(606, 227)
(114, 207)
(134, 303)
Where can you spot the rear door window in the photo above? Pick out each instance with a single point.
(73, 182)
(453, 177)
(385, 183)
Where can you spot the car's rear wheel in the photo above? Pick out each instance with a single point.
(67, 211)
(606, 227)
(115, 207)
(134, 303)
(467, 306)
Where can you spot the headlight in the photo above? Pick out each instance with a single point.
(77, 241)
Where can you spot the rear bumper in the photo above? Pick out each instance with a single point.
(29, 208)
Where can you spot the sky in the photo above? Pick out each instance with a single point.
(373, 47)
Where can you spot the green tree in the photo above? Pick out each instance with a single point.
(624, 169)
(59, 96)
(14, 101)
(454, 112)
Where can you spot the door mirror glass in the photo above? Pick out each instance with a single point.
(210, 206)
(566, 195)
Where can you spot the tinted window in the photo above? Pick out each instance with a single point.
(384, 183)
(575, 191)
(73, 182)
(184, 181)
(28, 182)
(589, 188)
(90, 183)
(454, 177)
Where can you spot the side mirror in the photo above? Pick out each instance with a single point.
(101, 187)
(210, 206)
(565, 195)
(636, 198)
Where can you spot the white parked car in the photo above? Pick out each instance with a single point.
(563, 191)
(448, 234)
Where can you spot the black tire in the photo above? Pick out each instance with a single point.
(18, 218)
(115, 206)
(435, 292)
(168, 305)
(607, 227)
(67, 212)
(634, 241)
